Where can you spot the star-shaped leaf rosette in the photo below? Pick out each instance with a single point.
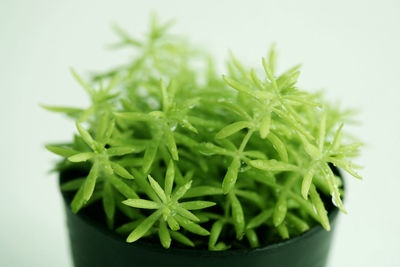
(103, 170)
(170, 213)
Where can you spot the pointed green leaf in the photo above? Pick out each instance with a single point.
(157, 188)
(272, 165)
(345, 165)
(237, 216)
(134, 116)
(73, 184)
(169, 178)
(321, 132)
(80, 157)
(185, 140)
(62, 151)
(293, 122)
(121, 171)
(220, 246)
(170, 143)
(141, 203)
(300, 224)
(260, 219)
(279, 146)
(239, 110)
(191, 226)
(128, 227)
(307, 180)
(150, 153)
(67, 110)
(283, 231)
(132, 214)
(181, 191)
(185, 213)
(333, 187)
(157, 114)
(232, 129)
(319, 207)
(205, 190)
(78, 201)
(300, 100)
(185, 123)
(264, 177)
(265, 125)
(255, 154)
(181, 239)
(305, 205)
(82, 82)
(256, 81)
(102, 126)
(109, 131)
(231, 176)
(164, 235)
(289, 78)
(188, 176)
(270, 74)
(237, 86)
(86, 136)
(124, 150)
(173, 224)
(215, 232)
(349, 148)
(122, 187)
(79, 144)
(239, 66)
(109, 203)
(280, 209)
(126, 39)
(253, 238)
(197, 204)
(91, 181)
(113, 83)
(252, 196)
(165, 101)
(211, 149)
(337, 139)
(85, 115)
(144, 227)
(272, 59)
(312, 150)
(142, 181)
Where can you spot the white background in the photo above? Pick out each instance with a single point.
(350, 48)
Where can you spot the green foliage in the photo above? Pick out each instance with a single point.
(178, 150)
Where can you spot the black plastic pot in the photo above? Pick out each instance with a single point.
(92, 244)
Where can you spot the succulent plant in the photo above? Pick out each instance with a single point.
(184, 153)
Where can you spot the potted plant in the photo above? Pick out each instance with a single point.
(174, 165)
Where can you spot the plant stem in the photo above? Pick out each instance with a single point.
(245, 140)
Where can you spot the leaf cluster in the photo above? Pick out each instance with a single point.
(184, 154)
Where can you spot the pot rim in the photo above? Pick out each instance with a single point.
(157, 248)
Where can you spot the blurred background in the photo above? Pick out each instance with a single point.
(349, 48)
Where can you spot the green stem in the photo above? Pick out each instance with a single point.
(245, 140)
